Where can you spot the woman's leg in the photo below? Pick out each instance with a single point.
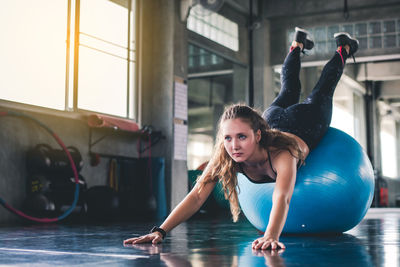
(290, 89)
(329, 78)
(310, 119)
(320, 101)
(290, 82)
(319, 104)
(333, 70)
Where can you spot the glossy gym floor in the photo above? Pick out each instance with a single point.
(199, 242)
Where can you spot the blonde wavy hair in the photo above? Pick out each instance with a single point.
(222, 168)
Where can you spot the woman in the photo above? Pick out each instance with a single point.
(267, 148)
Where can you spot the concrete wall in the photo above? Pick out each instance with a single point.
(18, 135)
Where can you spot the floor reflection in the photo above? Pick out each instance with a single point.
(331, 250)
(216, 242)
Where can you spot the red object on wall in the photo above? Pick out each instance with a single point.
(99, 120)
(383, 197)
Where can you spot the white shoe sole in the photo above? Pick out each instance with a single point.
(298, 29)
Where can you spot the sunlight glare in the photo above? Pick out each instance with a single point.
(33, 52)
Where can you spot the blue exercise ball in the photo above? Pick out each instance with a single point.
(333, 190)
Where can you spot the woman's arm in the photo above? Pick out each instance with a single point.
(185, 209)
(285, 165)
(188, 206)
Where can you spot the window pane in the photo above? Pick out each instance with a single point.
(389, 41)
(332, 30)
(343, 110)
(105, 20)
(375, 42)
(348, 28)
(389, 26)
(102, 82)
(388, 147)
(361, 29)
(374, 27)
(103, 78)
(33, 52)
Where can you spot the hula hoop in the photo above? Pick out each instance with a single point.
(76, 195)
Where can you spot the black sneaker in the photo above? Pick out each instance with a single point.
(343, 38)
(301, 37)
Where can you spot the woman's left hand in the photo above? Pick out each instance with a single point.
(267, 243)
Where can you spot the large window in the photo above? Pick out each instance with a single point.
(372, 35)
(214, 27)
(348, 112)
(214, 82)
(46, 63)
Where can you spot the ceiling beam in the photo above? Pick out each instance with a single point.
(382, 71)
(390, 90)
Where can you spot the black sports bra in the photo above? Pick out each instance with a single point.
(266, 178)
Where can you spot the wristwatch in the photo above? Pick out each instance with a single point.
(160, 230)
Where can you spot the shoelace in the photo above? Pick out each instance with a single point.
(341, 55)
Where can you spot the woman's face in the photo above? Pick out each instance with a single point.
(240, 141)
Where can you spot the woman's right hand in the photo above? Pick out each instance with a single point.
(153, 238)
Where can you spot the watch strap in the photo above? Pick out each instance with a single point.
(160, 230)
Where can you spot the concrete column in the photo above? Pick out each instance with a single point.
(179, 173)
(398, 147)
(240, 84)
(163, 49)
(263, 72)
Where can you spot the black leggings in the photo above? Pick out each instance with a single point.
(310, 119)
